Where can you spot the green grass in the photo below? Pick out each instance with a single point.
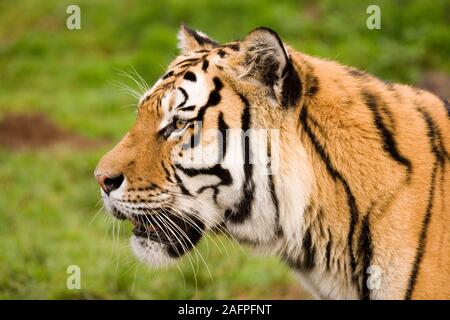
(48, 198)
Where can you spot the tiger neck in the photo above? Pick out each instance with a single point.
(311, 243)
(320, 248)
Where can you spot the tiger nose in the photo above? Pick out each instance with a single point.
(109, 182)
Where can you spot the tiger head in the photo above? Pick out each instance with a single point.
(190, 163)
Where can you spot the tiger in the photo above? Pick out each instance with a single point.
(350, 185)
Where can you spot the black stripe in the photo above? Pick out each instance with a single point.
(205, 65)
(187, 108)
(151, 186)
(216, 170)
(366, 252)
(435, 136)
(336, 175)
(185, 96)
(167, 172)
(273, 192)
(313, 88)
(185, 66)
(223, 141)
(201, 40)
(422, 237)
(243, 210)
(291, 87)
(214, 96)
(308, 250)
(158, 106)
(446, 106)
(441, 155)
(389, 143)
(187, 61)
(213, 99)
(221, 53)
(389, 116)
(202, 51)
(180, 184)
(328, 250)
(190, 76)
(276, 205)
(194, 141)
(167, 75)
(311, 81)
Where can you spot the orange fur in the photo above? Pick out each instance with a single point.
(380, 147)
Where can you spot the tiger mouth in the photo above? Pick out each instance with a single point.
(178, 234)
(145, 226)
(117, 214)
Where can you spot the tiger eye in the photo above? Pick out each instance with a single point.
(180, 123)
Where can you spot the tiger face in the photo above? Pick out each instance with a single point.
(187, 166)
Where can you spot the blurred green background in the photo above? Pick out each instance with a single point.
(50, 76)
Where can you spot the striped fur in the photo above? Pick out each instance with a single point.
(358, 203)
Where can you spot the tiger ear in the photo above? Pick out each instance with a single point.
(190, 40)
(265, 59)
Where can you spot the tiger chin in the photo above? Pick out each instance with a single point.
(349, 183)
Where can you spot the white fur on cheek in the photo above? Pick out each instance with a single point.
(106, 202)
(151, 252)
